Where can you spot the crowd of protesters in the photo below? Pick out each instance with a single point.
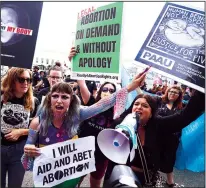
(40, 104)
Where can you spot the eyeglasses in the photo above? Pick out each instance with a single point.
(106, 89)
(55, 77)
(173, 92)
(22, 80)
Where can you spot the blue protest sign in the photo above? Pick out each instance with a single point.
(190, 154)
(175, 47)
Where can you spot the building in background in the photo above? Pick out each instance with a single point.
(47, 59)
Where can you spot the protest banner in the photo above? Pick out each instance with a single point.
(19, 30)
(64, 161)
(97, 42)
(175, 46)
(192, 158)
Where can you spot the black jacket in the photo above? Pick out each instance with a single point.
(169, 124)
(43, 92)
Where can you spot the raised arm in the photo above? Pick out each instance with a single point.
(105, 104)
(118, 99)
(30, 151)
(85, 94)
(178, 121)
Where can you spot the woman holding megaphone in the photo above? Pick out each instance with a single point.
(150, 127)
(94, 125)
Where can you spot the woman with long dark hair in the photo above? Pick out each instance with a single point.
(95, 124)
(150, 127)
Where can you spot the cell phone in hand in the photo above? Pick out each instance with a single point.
(146, 70)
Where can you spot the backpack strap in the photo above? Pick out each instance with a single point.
(37, 143)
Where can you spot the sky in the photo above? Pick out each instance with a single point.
(59, 19)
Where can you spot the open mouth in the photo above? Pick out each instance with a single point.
(59, 107)
(140, 113)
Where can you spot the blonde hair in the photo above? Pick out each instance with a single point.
(8, 85)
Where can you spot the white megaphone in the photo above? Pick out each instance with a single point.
(114, 144)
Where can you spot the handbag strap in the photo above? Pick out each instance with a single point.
(38, 136)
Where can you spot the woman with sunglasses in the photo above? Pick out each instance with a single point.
(17, 107)
(150, 128)
(95, 124)
(60, 115)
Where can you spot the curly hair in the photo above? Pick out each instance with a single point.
(178, 102)
(71, 119)
(8, 85)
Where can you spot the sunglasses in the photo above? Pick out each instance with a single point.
(22, 80)
(106, 89)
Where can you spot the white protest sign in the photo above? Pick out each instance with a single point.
(64, 161)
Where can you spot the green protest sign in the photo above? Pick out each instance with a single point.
(97, 42)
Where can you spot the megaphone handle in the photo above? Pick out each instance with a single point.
(112, 164)
(110, 167)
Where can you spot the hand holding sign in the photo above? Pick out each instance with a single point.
(64, 161)
(72, 53)
(31, 150)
